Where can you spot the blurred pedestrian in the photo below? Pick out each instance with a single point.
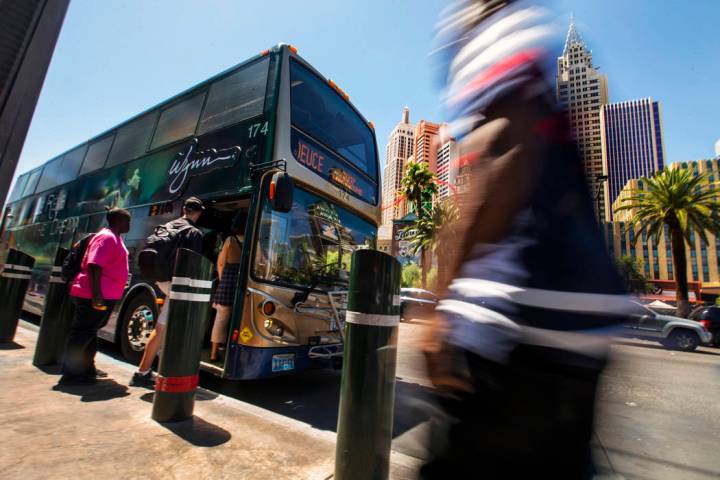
(94, 291)
(228, 267)
(180, 233)
(521, 333)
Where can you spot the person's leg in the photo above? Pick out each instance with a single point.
(152, 348)
(157, 336)
(104, 317)
(220, 329)
(79, 351)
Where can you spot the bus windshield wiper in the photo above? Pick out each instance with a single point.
(316, 278)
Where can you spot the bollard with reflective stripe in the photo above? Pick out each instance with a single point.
(13, 286)
(54, 328)
(367, 391)
(189, 304)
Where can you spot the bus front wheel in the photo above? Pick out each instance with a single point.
(138, 321)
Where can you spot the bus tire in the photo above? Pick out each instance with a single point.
(136, 324)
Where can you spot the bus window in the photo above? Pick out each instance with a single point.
(71, 163)
(132, 139)
(19, 187)
(39, 209)
(32, 182)
(96, 155)
(51, 175)
(236, 98)
(320, 112)
(178, 121)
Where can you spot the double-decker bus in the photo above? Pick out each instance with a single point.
(223, 141)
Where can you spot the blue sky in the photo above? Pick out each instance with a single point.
(115, 58)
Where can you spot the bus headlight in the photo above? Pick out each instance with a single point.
(274, 327)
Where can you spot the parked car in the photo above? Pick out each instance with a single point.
(416, 302)
(672, 332)
(709, 317)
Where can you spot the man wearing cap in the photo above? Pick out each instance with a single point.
(190, 238)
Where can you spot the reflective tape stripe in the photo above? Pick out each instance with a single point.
(479, 314)
(19, 276)
(540, 298)
(373, 319)
(56, 280)
(176, 384)
(21, 268)
(56, 269)
(191, 282)
(190, 297)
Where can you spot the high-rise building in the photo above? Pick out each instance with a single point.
(632, 144)
(447, 168)
(703, 260)
(400, 146)
(426, 143)
(29, 30)
(582, 89)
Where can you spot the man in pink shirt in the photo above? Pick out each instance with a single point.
(94, 291)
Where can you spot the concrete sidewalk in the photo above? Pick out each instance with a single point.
(50, 431)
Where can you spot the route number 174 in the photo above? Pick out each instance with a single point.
(256, 128)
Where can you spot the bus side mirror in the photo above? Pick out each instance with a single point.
(280, 193)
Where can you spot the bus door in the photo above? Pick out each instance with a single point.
(223, 222)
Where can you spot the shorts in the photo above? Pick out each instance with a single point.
(165, 288)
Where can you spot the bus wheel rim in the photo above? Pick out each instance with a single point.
(140, 326)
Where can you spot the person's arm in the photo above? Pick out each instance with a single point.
(195, 242)
(222, 258)
(506, 156)
(95, 272)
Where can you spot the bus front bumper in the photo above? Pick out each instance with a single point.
(248, 363)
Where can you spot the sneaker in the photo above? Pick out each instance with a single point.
(140, 380)
(76, 380)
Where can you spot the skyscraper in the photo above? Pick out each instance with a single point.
(632, 144)
(447, 168)
(426, 143)
(400, 146)
(583, 90)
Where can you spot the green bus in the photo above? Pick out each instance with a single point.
(222, 141)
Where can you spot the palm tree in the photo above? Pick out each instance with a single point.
(676, 198)
(428, 230)
(418, 187)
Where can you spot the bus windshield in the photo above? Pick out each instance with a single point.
(311, 245)
(320, 112)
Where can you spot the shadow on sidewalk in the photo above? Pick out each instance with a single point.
(11, 346)
(313, 397)
(200, 395)
(99, 392)
(199, 432)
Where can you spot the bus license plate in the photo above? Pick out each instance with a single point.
(283, 363)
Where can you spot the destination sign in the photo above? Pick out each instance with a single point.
(332, 168)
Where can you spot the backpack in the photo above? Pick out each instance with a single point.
(157, 259)
(72, 264)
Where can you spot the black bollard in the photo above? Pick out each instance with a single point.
(189, 304)
(54, 328)
(13, 286)
(367, 391)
